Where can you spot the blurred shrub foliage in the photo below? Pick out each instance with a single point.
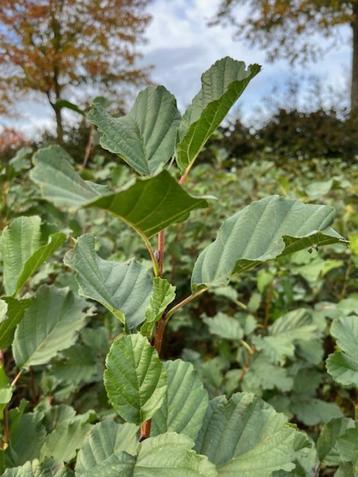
(288, 135)
(291, 135)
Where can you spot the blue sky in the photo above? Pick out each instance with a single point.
(181, 46)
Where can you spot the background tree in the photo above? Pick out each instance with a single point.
(62, 48)
(288, 28)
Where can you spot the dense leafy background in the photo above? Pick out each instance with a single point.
(269, 332)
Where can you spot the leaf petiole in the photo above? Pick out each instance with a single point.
(184, 302)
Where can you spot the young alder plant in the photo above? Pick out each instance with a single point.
(168, 427)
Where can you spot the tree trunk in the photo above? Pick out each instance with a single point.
(354, 85)
(59, 125)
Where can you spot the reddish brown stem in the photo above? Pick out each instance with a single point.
(184, 176)
(161, 246)
(146, 426)
(145, 430)
(161, 325)
(159, 334)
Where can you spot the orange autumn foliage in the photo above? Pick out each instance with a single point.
(63, 47)
(11, 140)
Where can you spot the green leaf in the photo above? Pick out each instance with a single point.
(287, 332)
(59, 182)
(145, 138)
(170, 455)
(121, 464)
(267, 376)
(317, 269)
(24, 428)
(50, 324)
(135, 379)
(306, 462)
(262, 231)
(221, 86)
(245, 436)
(78, 366)
(3, 310)
(313, 411)
(106, 441)
(349, 305)
(23, 251)
(347, 445)
(338, 445)
(8, 323)
(167, 455)
(21, 160)
(306, 379)
(225, 326)
(162, 295)
(57, 414)
(150, 205)
(5, 391)
(64, 441)
(346, 470)
(327, 442)
(343, 365)
(185, 402)
(353, 242)
(315, 190)
(147, 205)
(123, 288)
(37, 469)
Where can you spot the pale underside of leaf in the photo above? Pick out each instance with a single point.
(37, 469)
(59, 182)
(3, 310)
(171, 455)
(144, 138)
(185, 403)
(106, 440)
(245, 436)
(64, 441)
(167, 455)
(262, 231)
(123, 288)
(79, 364)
